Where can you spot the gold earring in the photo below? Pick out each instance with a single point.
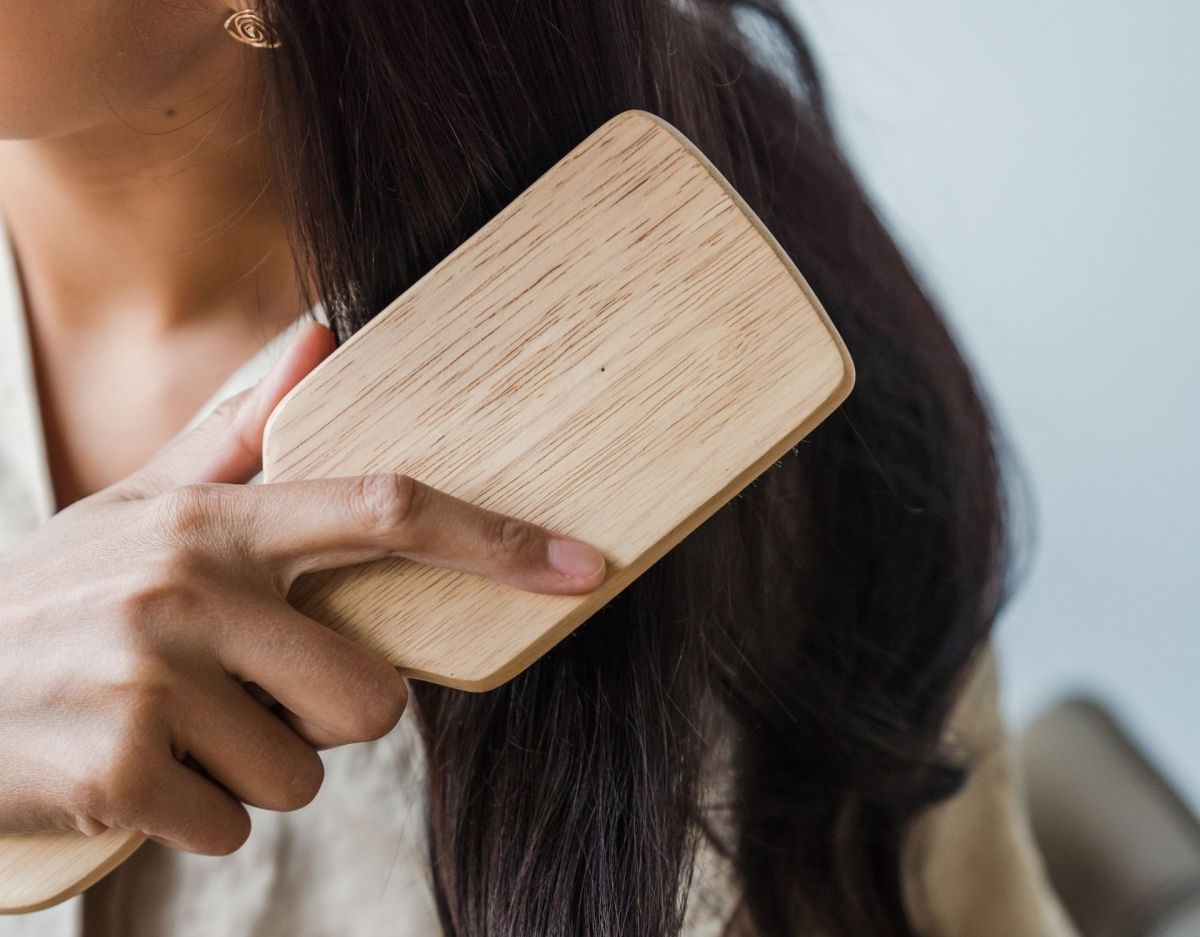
(248, 27)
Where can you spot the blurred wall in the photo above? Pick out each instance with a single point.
(1039, 161)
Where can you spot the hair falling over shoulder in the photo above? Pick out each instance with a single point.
(806, 643)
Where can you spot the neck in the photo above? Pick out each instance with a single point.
(167, 216)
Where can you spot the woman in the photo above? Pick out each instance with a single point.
(786, 726)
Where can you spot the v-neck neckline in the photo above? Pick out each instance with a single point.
(19, 401)
(23, 443)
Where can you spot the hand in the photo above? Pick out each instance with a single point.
(132, 623)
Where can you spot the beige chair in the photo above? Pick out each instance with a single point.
(1121, 847)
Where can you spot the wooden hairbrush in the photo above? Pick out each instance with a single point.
(615, 355)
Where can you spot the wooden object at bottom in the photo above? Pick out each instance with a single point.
(40, 870)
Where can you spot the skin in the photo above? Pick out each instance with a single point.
(155, 677)
(136, 188)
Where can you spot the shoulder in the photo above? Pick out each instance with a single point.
(971, 863)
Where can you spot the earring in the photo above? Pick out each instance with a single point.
(248, 27)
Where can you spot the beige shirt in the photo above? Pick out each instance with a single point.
(353, 861)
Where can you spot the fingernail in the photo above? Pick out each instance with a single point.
(575, 559)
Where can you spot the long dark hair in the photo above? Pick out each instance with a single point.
(804, 645)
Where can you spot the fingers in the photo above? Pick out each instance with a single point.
(316, 736)
(302, 526)
(336, 691)
(179, 807)
(247, 749)
(227, 446)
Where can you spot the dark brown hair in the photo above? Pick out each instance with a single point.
(803, 646)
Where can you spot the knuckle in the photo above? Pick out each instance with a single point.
(164, 587)
(511, 542)
(125, 788)
(88, 799)
(224, 412)
(188, 512)
(145, 693)
(111, 792)
(386, 502)
(223, 419)
(137, 695)
(182, 510)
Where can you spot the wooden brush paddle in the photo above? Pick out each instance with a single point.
(615, 356)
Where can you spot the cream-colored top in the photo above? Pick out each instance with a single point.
(353, 862)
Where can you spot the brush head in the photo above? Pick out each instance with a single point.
(615, 355)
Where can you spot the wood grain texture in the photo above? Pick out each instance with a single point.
(615, 356)
(40, 870)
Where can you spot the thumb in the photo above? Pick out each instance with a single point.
(227, 445)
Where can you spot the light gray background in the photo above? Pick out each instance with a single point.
(1038, 159)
